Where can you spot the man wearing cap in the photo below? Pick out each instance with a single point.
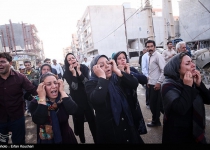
(22, 69)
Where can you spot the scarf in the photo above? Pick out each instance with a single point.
(117, 96)
(57, 138)
(173, 82)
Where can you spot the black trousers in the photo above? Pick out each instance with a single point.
(155, 102)
(78, 120)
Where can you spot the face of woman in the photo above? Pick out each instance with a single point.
(45, 69)
(187, 65)
(71, 60)
(51, 87)
(121, 59)
(105, 66)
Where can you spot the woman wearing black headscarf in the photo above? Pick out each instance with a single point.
(76, 75)
(50, 111)
(184, 96)
(114, 118)
(121, 61)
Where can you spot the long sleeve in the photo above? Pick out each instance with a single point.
(180, 101)
(161, 63)
(129, 80)
(69, 105)
(205, 93)
(39, 113)
(97, 91)
(144, 64)
(142, 79)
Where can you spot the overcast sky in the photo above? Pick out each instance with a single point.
(55, 19)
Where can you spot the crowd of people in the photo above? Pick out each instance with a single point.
(103, 93)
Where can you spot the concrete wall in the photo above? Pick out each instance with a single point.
(194, 20)
(104, 20)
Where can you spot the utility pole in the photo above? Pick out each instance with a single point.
(125, 30)
(169, 29)
(13, 37)
(150, 26)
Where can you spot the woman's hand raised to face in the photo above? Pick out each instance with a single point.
(197, 78)
(98, 71)
(61, 88)
(127, 68)
(115, 68)
(73, 71)
(188, 79)
(78, 68)
(61, 85)
(41, 91)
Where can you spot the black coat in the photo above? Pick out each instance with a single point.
(107, 130)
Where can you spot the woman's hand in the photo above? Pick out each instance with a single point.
(197, 78)
(127, 68)
(41, 91)
(115, 68)
(61, 85)
(73, 71)
(98, 71)
(188, 79)
(78, 68)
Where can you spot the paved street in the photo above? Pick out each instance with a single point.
(154, 135)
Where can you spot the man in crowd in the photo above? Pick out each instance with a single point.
(85, 62)
(144, 70)
(58, 68)
(12, 103)
(155, 78)
(33, 76)
(48, 61)
(169, 53)
(181, 47)
(22, 69)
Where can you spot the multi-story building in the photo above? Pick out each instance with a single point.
(108, 29)
(195, 26)
(22, 41)
(66, 51)
(75, 47)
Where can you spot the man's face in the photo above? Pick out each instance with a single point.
(170, 45)
(150, 48)
(22, 71)
(4, 66)
(85, 59)
(182, 48)
(48, 62)
(28, 66)
(54, 61)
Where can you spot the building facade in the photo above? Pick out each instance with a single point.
(22, 42)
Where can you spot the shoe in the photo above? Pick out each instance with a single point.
(151, 124)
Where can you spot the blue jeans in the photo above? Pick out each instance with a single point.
(17, 128)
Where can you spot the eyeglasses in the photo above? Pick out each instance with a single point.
(3, 62)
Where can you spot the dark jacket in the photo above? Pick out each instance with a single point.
(40, 117)
(107, 130)
(184, 118)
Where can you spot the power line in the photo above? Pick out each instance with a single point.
(118, 26)
(200, 34)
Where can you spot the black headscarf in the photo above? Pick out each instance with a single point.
(45, 64)
(118, 53)
(68, 74)
(174, 83)
(117, 98)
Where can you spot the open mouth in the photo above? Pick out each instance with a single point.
(54, 92)
(108, 71)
